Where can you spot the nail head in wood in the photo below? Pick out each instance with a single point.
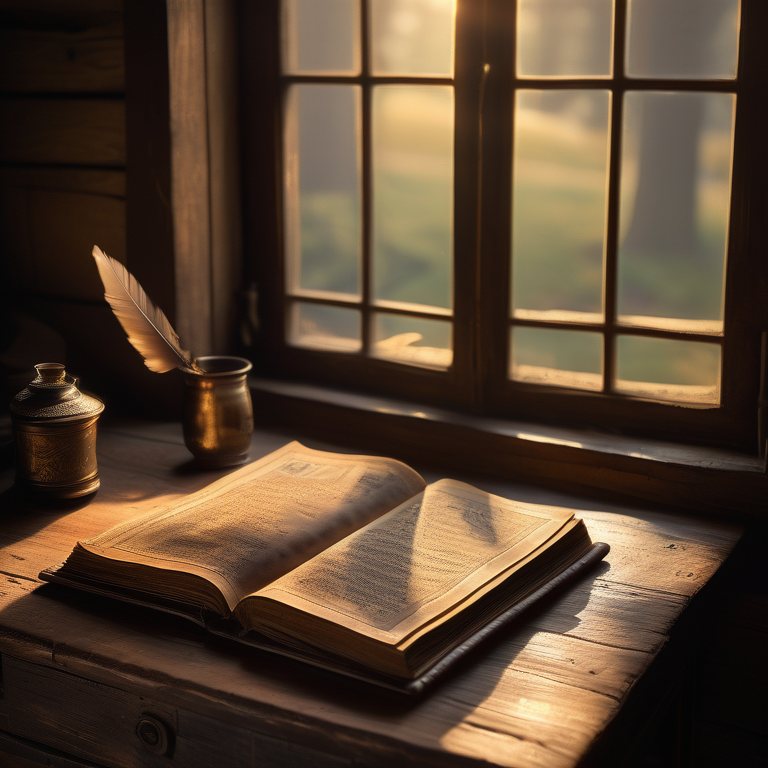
(153, 734)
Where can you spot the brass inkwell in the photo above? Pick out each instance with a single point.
(55, 432)
(218, 415)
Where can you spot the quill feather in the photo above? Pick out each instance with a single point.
(147, 327)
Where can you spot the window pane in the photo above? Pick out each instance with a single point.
(322, 184)
(666, 369)
(412, 193)
(559, 201)
(557, 358)
(321, 37)
(694, 39)
(412, 37)
(675, 192)
(316, 326)
(413, 340)
(564, 38)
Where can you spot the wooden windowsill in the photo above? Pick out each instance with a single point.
(704, 479)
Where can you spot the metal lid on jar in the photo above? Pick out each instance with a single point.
(54, 396)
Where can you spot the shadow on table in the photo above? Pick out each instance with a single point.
(466, 685)
(24, 515)
(168, 650)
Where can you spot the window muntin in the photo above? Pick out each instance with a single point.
(368, 179)
(482, 356)
(621, 193)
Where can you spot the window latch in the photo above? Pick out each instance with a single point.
(249, 314)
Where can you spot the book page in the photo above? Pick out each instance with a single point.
(257, 523)
(418, 561)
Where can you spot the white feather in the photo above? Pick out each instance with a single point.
(147, 327)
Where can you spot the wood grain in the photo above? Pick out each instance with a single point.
(50, 219)
(46, 60)
(204, 170)
(190, 172)
(89, 132)
(148, 145)
(537, 696)
(224, 158)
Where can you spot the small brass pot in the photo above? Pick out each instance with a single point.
(54, 427)
(218, 415)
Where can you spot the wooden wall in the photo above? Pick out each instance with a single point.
(62, 190)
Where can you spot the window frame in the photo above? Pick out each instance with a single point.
(477, 380)
(733, 423)
(452, 387)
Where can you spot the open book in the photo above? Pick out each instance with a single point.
(350, 562)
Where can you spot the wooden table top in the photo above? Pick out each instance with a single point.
(539, 695)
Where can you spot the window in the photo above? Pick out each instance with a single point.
(533, 208)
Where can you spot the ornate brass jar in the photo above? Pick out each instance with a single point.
(55, 432)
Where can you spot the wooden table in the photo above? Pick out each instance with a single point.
(79, 672)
